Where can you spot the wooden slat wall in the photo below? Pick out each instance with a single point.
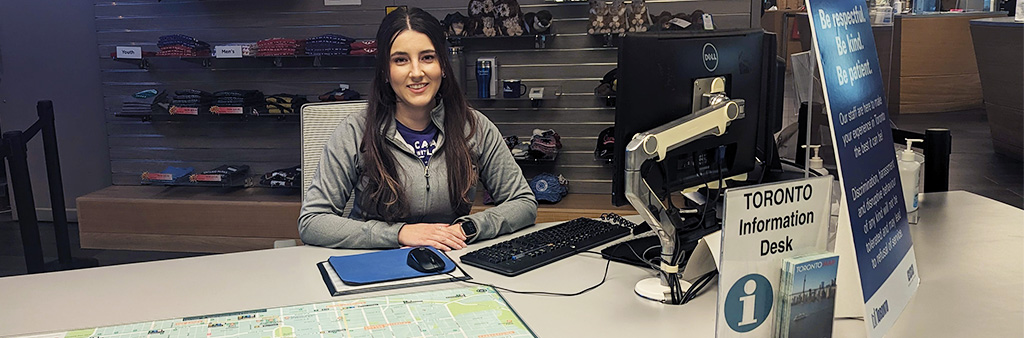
(572, 61)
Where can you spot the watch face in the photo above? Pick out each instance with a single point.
(469, 228)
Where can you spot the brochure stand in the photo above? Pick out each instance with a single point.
(764, 225)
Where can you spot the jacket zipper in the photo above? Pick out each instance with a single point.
(426, 175)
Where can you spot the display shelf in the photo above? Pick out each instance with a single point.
(534, 103)
(288, 61)
(523, 98)
(162, 115)
(546, 159)
(609, 100)
(269, 186)
(608, 40)
(196, 180)
(550, 93)
(538, 41)
(143, 117)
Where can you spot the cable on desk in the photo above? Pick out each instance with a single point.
(640, 257)
(545, 293)
(676, 293)
(699, 285)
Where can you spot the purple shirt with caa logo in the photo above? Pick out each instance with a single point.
(423, 142)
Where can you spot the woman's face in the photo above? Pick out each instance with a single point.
(415, 71)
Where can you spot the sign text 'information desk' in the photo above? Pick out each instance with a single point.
(969, 252)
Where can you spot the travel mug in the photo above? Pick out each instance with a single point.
(483, 79)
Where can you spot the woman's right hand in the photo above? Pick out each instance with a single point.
(438, 235)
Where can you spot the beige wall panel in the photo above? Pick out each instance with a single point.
(929, 94)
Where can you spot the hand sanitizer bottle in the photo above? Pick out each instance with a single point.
(910, 176)
(815, 161)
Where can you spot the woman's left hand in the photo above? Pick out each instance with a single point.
(439, 235)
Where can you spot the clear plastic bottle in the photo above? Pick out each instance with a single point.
(910, 177)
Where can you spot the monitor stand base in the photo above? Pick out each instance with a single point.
(652, 289)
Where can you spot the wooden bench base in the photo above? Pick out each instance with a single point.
(187, 219)
(193, 219)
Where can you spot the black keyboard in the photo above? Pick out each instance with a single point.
(539, 248)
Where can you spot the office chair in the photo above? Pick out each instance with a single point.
(318, 122)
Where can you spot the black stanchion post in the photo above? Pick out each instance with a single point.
(22, 186)
(56, 184)
(938, 144)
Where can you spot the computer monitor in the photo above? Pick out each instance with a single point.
(656, 78)
(702, 101)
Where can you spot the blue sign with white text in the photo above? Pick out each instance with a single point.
(868, 168)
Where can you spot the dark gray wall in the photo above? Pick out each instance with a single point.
(48, 50)
(572, 61)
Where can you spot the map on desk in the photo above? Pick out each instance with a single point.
(476, 312)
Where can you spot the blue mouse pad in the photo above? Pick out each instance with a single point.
(382, 266)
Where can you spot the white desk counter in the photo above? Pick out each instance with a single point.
(970, 251)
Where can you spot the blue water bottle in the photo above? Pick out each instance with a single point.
(483, 79)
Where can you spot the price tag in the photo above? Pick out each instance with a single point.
(157, 176)
(226, 110)
(129, 52)
(183, 110)
(206, 178)
(679, 22)
(708, 24)
(228, 52)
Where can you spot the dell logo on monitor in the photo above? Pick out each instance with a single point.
(710, 57)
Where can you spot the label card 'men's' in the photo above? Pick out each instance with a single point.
(228, 52)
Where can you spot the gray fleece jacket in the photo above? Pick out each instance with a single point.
(426, 187)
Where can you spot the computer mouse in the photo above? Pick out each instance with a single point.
(425, 260)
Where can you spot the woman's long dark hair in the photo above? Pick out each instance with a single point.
(385, 189)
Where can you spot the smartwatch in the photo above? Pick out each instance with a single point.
(469, 229)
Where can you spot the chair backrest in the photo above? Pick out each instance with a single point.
(318, 122)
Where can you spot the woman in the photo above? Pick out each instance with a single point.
(412, 160)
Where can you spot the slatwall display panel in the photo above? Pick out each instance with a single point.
(200, 142)
(570, 61)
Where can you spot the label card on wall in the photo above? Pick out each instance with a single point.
(228, 52)
(342, 2)
(877, 274)
(129, 52)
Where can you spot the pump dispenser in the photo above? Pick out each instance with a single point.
(815, 162)
(910, 175)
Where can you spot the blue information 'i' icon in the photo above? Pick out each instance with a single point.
(748, 303)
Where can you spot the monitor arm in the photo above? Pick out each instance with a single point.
(654, 145)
